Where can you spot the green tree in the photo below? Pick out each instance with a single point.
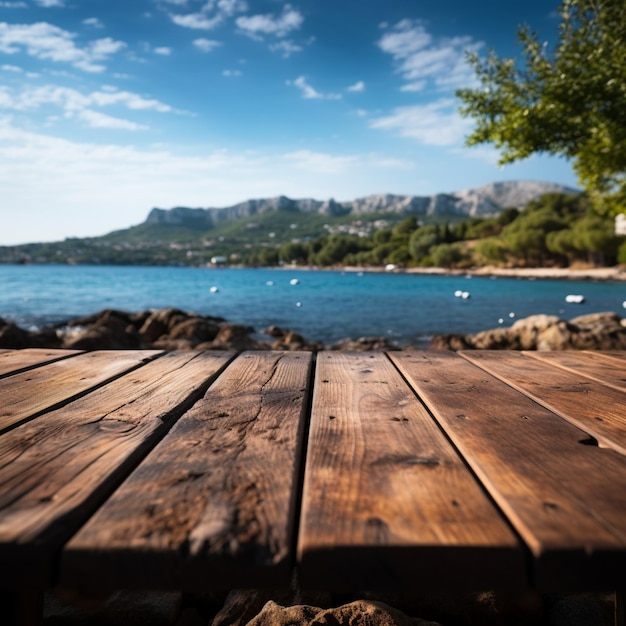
(492, 250)
(595, 236)
(293, 252)
(446, 255)
(569, 101)
(422, 240)
(526, 236)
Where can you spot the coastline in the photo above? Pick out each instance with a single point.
(616, 273)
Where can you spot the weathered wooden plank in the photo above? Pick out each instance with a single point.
(598, 367)
(387, 502)
(30, 393)
(595, 408)
(565, 499)
(15, 361)
(56, 470)
(214, 503)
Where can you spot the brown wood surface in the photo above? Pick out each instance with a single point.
(213, 505)
(387, 502)
(27, 394)
(55, 470)
(565, 498)
(592, 406)
(14, 361)
(599, 367)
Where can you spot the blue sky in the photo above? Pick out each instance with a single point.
(109, 108)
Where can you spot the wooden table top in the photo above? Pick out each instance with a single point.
(383, 471)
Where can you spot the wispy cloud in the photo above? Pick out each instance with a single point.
(163, 51)
(326, 163)
(232, 73)
(47, 4)
(212, 14)
(96, 119)
(357, 87)
(310, 93)
(75, 105)
(94, 22)
(434, 124)
(423, 60)
(206, 45)
(257, 26)
(320, 162)
(48, 42)
(286, 47)
(13, 5)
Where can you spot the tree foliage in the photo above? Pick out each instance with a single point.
(569, 101)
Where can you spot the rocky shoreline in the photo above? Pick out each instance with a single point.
(174, 329)
(168, 329)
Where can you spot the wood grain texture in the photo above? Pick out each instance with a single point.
(27, 394)
(565, 498)
(601, 368)
(15, 361)
(57, 469)
(592, 406)
(214, 503)
(387, 502)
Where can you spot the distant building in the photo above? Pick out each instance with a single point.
(620, 225)
(218, 260)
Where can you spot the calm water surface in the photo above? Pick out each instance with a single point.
(325, 306)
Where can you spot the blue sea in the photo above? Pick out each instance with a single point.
(321, 305)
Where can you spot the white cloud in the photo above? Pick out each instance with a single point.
(163, 51)
(320, 162)
(197, 21)
(232, 73)
(357, 87)
(310, 93)
(256, 26)
(50, 3)
(75, 105)
(206, 45)
(419, 85)
(434, 124)
(46, 41)
(230, 7)
(325, 163)
(94, 22)
(95, 119)
(211, 15)
(421, 58)
(11, 68)
(286, 47)
(13, 5)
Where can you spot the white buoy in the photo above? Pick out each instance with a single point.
(466, 295)
(575, 298)
(500, 320)
(298, 304)
(458, 293)
(214, 289)
(294, 281)
(624, 304)
(511, 315)
(270, 283)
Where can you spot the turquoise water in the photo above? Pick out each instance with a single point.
(324, 306)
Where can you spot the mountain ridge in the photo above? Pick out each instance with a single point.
(483, 201)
